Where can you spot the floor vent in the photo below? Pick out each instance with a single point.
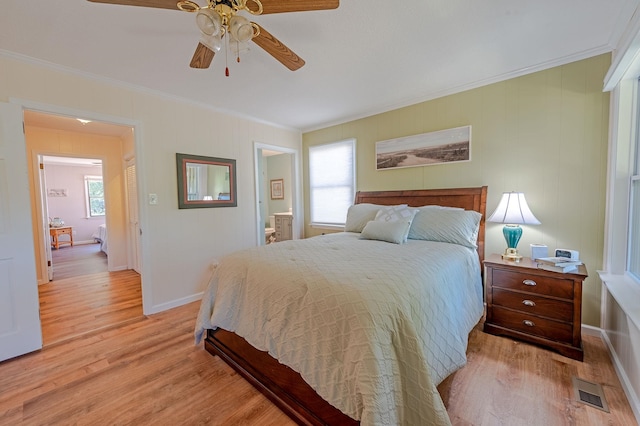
(590, 394)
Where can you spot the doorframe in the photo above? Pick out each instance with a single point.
(24, 104)
(134, 256)
(296, 198)
(42, 204)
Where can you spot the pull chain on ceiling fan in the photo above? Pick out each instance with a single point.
(220, 23)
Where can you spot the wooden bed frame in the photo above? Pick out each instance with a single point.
(285, 387)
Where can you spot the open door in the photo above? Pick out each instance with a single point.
(132, 210)
(19, 307)
(45, 217)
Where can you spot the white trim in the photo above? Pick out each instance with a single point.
(147, 286)
(578, 56)
(625, 62)
(296, 188)
(589, 330)
(87, 197)
(626, 292)
(119, 268)
(132, 87)
(84, 242)
(327, 226)
(174, 303)
(632, 397)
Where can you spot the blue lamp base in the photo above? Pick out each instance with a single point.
(512, 234)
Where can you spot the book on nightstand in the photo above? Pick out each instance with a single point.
(562, 269)
(558, 261)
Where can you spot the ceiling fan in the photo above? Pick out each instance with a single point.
(219, 22)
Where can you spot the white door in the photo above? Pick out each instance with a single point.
(19, 307)
(45, 218)
(134, 223)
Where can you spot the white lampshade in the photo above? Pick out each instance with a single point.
(513, 209)
(209, 21)
(212, 42)
(240, 28)
(237, 47)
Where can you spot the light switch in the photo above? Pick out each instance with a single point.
(153, 199)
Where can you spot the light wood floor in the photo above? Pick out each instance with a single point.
(84, 297)
(80, 259)
(149, 371)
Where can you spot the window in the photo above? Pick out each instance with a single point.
(331, 182)
(193, 175)
(633, 257)
(94, 190)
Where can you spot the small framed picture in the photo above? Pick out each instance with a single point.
(54, 192)
(277, 189)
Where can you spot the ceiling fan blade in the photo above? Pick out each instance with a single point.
(202, 57)
(279, 51)
(161, 4)
(279, 6)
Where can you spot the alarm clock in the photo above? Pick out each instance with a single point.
(569, 254)
(538, 251)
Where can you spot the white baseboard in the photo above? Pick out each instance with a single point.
(590, 330)
(83, 242)
(173, 304)
(119, 268)
(632, 397)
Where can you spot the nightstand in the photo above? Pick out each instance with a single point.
(535, 305)
(55, 236)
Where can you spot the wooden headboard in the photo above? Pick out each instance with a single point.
(466, 198)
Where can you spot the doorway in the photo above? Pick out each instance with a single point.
(276, 170)
(93, 296)
(73, 203)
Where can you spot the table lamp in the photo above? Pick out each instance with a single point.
(513, 211)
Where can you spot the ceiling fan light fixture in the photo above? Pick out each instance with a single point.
(240, 28)
(238, 47)
(214, 43)
(209, 21)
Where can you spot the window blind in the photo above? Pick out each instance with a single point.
(331, 181)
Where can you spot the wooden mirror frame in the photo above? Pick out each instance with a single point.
(184, 202)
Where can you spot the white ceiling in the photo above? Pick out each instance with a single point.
(61, 122)
(71, 161)
(366, 57)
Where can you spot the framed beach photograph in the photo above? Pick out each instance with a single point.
(443, 146)
(277, 189)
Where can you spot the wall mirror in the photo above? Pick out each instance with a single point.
(206, 181)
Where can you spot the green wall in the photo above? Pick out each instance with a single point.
(279, 167)
(544, 134)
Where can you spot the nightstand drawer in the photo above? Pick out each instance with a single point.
(533, 283)
(531, 324)
(536, 305)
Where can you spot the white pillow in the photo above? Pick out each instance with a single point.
(358, 215)
(392, 232)
(398, 213)
(448, 225)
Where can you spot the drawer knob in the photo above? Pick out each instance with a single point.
(527, 302)
(528, 323)
(529, 282)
